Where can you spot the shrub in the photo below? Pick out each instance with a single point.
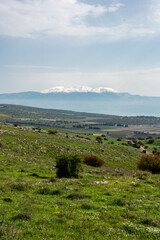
(129, 143)
(140, 138)
(149, 137)
(98, 138)
(20, 186)
(68, 166)
(119, 202)
(140, 143)
(149, 222)
(52, 132)
(136, 145)
(93, 161)
(150, 162)
(48, 191)
(7, 200)
(119, 139)
(23, 216)
(86, 206)
(150, 141)
(73, 196)
(45, 191)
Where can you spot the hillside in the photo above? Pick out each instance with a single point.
(103, 102)
(81, 122)
(18, 112)
(103, 203)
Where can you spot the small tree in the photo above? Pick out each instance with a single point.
(68, 166)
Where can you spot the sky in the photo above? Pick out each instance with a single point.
(96, 43)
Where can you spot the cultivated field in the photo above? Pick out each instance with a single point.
(81, 123)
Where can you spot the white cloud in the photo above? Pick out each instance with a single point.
(115, 6)
(154, 15)
(31, 18)
(155, 11)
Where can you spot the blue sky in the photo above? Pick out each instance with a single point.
(108, 43)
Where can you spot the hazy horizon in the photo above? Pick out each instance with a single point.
(50, 90)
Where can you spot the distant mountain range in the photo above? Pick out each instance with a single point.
(83, 89)
(86, 99)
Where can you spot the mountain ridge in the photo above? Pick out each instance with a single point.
(105, 102)
(86, 89)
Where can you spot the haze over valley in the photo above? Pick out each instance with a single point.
(87, 99)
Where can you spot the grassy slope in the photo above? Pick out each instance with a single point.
(112, 202)
(151, 147)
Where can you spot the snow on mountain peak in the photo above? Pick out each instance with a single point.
(85, 89)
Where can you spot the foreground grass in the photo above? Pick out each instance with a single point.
(112, 202)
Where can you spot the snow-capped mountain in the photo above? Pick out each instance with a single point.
(85, 89)
(87, 99)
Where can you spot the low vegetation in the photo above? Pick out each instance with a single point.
(115, 201)
(93, 161)
(68, 166)
(150, 163)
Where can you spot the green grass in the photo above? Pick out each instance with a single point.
(151, 147)
(115, 201)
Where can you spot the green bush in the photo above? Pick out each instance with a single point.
(150, 141)
(93, 161)
(68, 166)
(119, 139)
(150, 162)
(98, 138)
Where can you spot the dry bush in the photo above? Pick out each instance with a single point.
(136, 145)
(52, 132)
(93, 161)
(150, 162)
(140, 143)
